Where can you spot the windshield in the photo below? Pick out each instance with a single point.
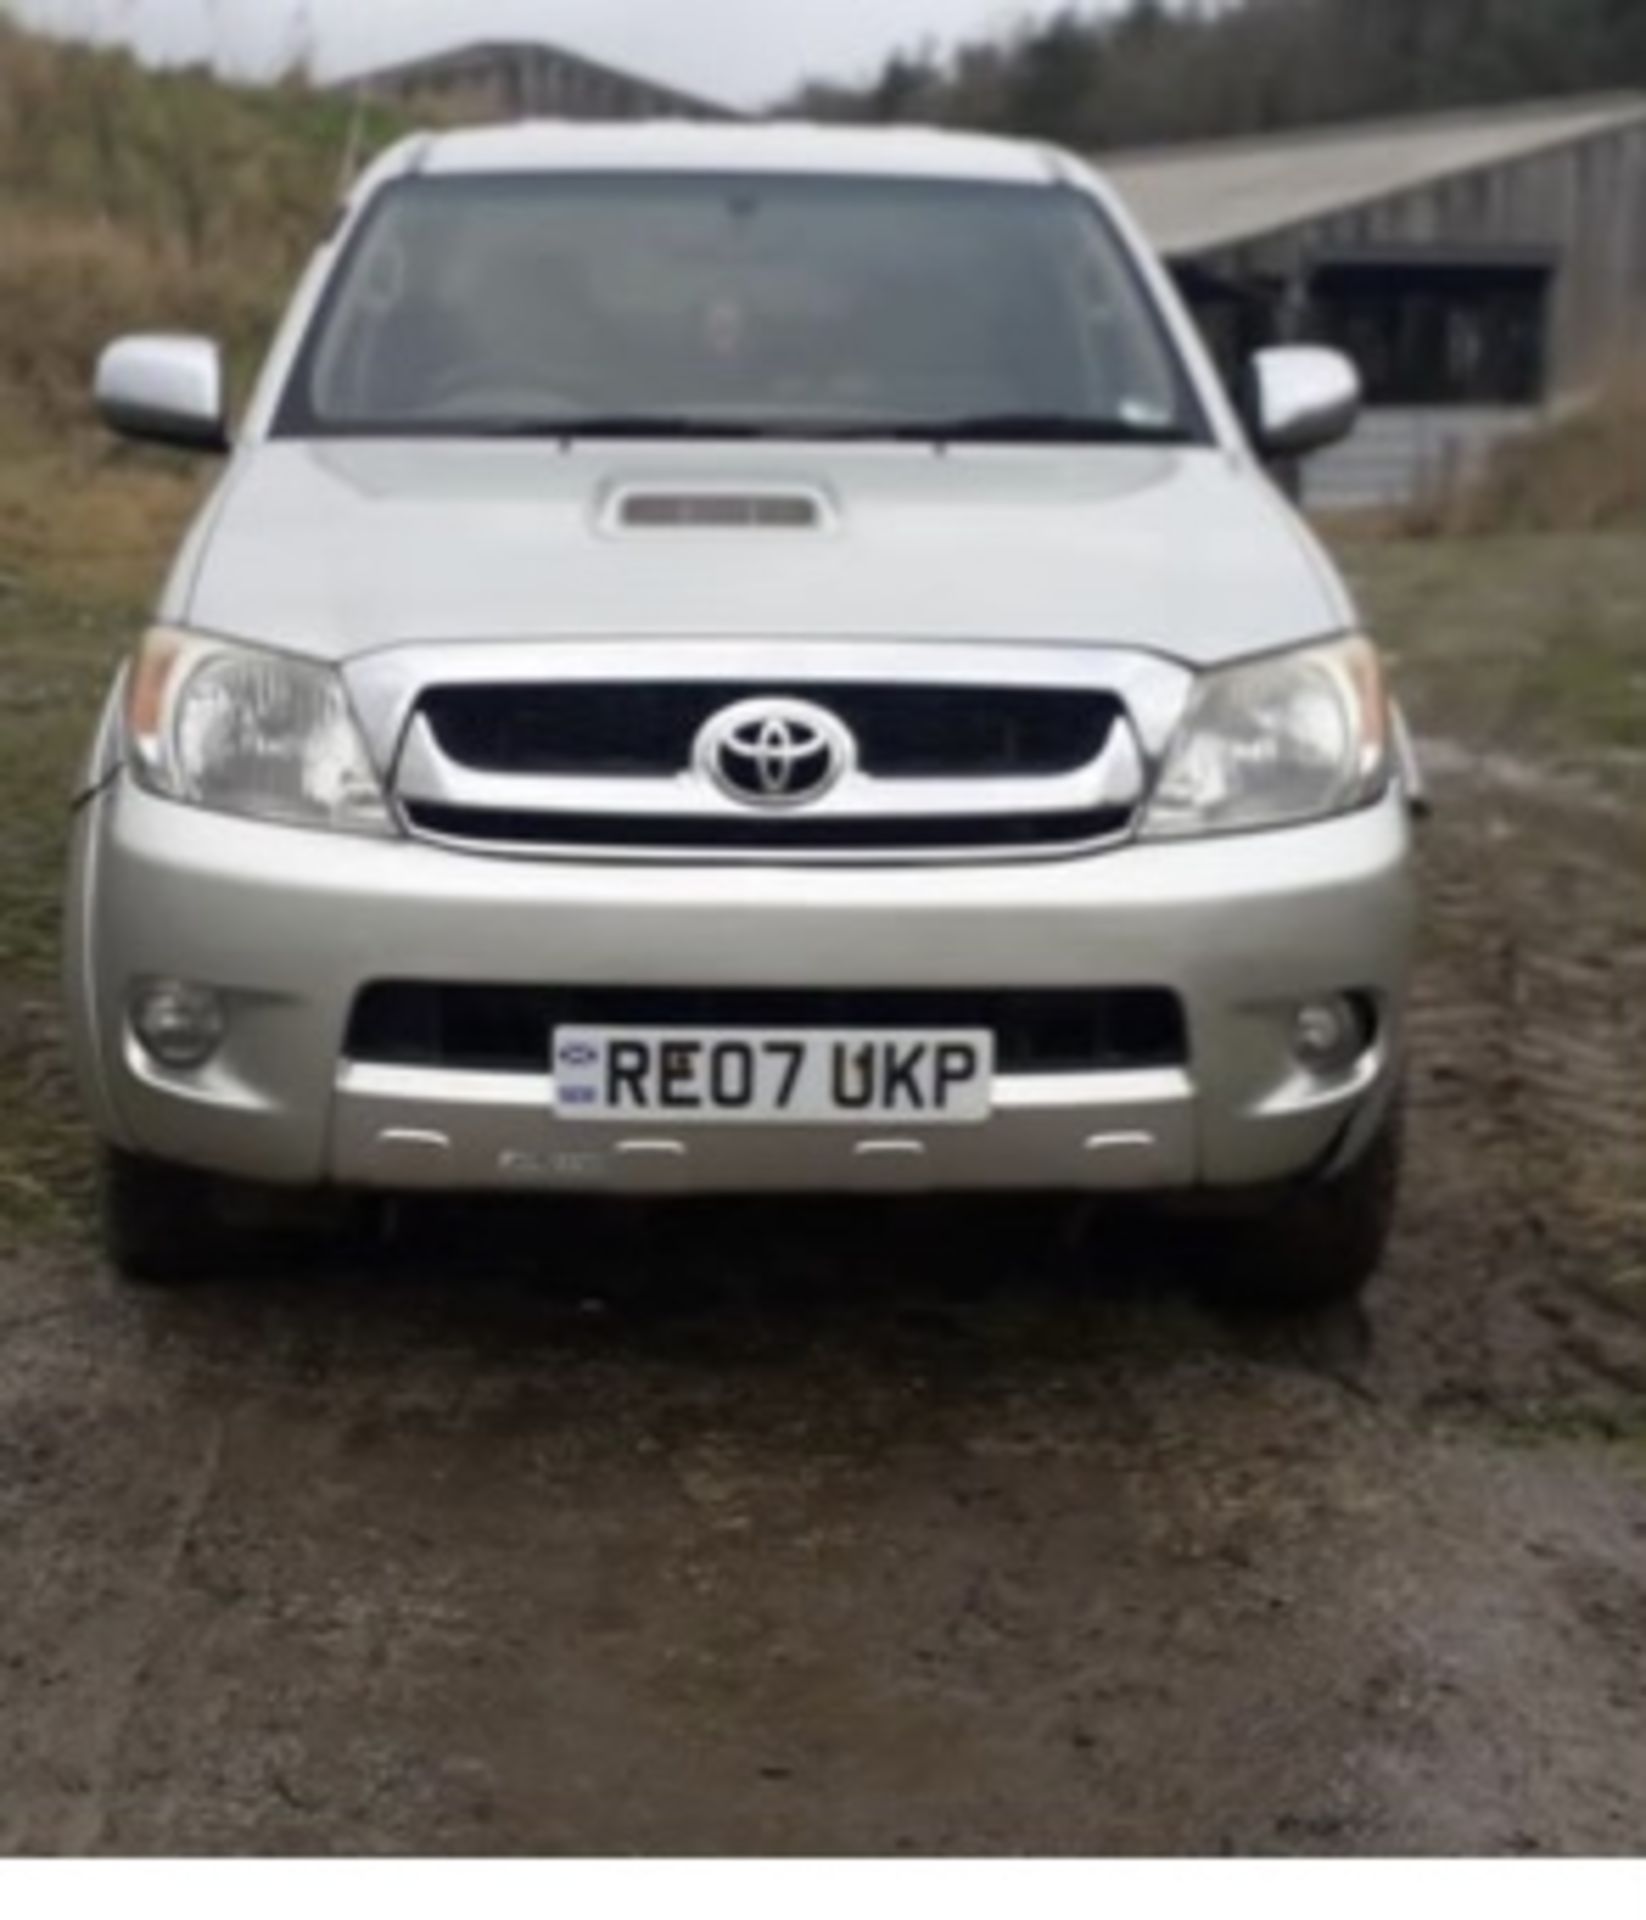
(758, 306)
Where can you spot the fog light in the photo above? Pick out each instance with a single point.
(180, 1025)
(1329, 1036)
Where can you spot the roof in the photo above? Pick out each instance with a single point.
(749, 147)
(406, 72)
(1195, 199)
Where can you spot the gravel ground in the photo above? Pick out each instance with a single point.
(795, 1530)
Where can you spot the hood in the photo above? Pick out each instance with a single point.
(336, 549)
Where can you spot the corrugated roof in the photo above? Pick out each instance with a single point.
(1194, 199)
(434, 62)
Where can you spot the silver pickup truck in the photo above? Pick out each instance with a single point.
(746, 659)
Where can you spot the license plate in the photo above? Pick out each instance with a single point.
(802, 1078)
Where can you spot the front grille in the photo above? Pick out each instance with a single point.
(663, 833)
(687, 750)
(503, 1029)
(611, 729)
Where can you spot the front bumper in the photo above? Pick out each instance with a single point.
(291, 926)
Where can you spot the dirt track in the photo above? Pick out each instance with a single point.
(837, 1531)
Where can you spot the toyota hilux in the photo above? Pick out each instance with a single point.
(746, 659)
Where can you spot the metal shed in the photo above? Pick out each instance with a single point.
(520, 79)
(1480, 267)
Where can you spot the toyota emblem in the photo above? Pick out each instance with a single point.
(775, 753)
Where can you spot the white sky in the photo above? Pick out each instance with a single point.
(746, 52)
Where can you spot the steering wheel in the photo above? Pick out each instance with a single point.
(475, 380)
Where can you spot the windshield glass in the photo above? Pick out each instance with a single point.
(778, 306)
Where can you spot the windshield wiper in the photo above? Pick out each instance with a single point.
(616, 426)
(1037, 429)
(1005, 429)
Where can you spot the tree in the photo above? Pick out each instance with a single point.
(1200, 69)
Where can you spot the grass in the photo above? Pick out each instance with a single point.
(131, 199)
(84, 535)
(1581, 471)
(54, 659)
(1534, 647)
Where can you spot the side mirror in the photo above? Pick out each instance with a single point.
(165, 387)
(1301, 399)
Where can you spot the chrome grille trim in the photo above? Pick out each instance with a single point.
(977, 845)
(991, 819)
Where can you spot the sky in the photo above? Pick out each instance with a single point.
(745, 52)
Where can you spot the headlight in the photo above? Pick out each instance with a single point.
(1277, 742)
(238, 730)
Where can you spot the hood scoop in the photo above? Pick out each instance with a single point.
(722, 509)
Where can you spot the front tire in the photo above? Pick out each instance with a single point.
(1315, 1246)
(164, 1225)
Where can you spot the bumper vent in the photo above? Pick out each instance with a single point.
(507, 1029)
